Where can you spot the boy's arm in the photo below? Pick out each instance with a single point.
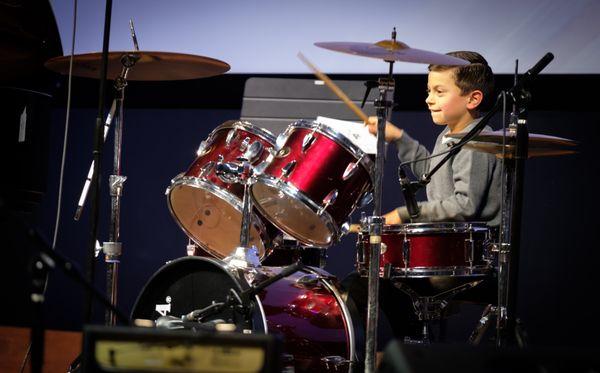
(473, 173)
(410, 149)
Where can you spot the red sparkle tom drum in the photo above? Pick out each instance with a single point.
(208, 208)
(313, 182)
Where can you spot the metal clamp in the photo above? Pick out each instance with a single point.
(112, 249)
(116, 184)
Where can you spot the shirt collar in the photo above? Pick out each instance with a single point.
(451, 141)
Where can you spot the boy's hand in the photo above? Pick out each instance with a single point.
(391, 218)
(392, 133)
(354, 228)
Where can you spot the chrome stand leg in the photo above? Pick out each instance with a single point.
(482, 326)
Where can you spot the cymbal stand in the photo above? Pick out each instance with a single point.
(113, 248)
(383, 104)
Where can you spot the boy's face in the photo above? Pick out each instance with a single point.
(444, 99)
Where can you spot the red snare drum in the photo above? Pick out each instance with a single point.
(429, 249)
(305, 309)
(313, 183)
(206, 207)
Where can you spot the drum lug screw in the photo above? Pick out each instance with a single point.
(281, 140)
(328, 200)
(469, 250)
(406, 253)
(308, 140)
(350, 170)
(203, 149)
(206, 169)
(288, 168)
(383, 248)
(230, 136)
(366, 199)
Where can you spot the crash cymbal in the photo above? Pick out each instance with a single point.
(150, 66)
(391, 50)
(539, 145)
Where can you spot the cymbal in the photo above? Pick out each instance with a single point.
(539, 145)
(532, 152)
(150, 66)
(391, 50)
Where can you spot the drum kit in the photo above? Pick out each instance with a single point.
(262, 210)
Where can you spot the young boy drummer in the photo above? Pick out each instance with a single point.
(466, 188)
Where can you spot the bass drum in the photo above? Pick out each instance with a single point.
(304, 309)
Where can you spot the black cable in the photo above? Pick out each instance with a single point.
(454, 148)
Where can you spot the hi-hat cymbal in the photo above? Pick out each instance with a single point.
(150, 66)
(539, 145)
(391, 50)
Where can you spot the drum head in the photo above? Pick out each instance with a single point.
(211, 217)
(185, 285)
(286, 210)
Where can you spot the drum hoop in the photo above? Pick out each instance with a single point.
(291, 191)
(345, 311)
(424, 272)
(416, 272)
(432, 228)
(223, 194)
(263, 133)
(340, 139)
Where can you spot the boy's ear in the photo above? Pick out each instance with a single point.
(474, 100)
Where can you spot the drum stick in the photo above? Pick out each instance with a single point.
(334, 88)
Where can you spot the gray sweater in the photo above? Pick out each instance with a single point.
(466, 188)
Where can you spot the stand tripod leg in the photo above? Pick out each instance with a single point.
(482, 326)
(521, 336)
